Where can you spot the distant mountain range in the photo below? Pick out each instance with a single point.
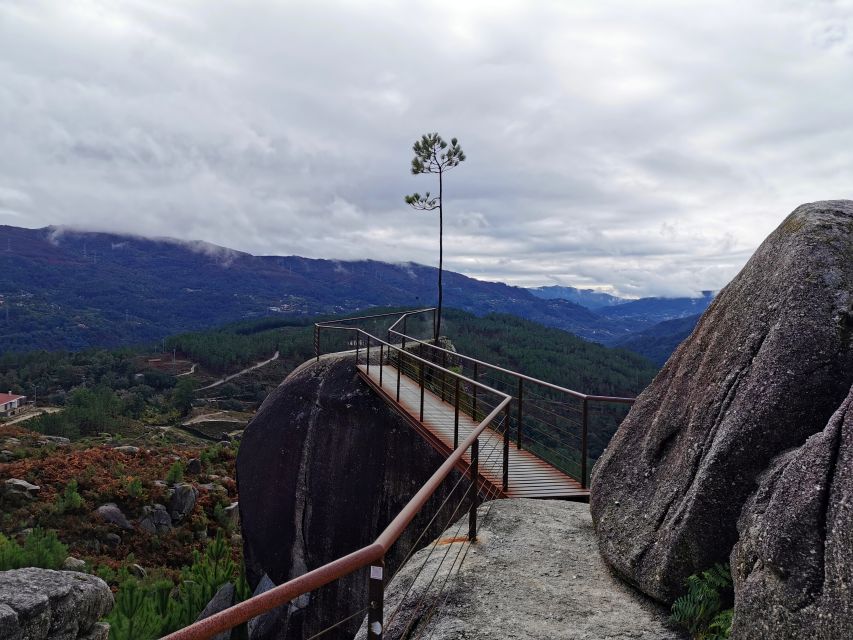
(63, 289)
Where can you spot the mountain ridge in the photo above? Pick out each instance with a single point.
(64, 288)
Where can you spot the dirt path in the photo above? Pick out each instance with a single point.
(240, 373)
(33, 415)
(188, 373)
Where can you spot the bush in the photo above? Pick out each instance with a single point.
(70, 500)
(134, 487)
(700, 610)
(41, 549)
(144, 611)
(176, 473)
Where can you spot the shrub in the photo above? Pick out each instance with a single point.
(134, 487)
(145, 611)
(176, 473)
(700, 610)
(70, 500)
(41, 549)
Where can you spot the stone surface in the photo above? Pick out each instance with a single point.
(273, 623)
(793, 563)
(193, 466)
(17, 490)
(182, 501)
(6, 455)
(137, 571)
(155, 519)
(74, 564)
(322, 469)
(766, 366)
(535, 572)
(111, 513)
(60, 605)
(220, 601)
(127, 449)
(232, 512)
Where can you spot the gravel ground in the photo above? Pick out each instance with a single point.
(535, 572)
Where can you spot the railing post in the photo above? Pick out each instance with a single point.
(518, 418)
(317, 342)
(506, 450)
(584, 434)
(456, 416)
(443, 373)
(474, 395)
(367, 337)
(405, 333)
(357, 340)
(421, 379)
(399, 368)
(475, 498)
(376, 600)
(381, 355)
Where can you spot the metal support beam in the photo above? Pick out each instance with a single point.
(475, 497)
(376, 600)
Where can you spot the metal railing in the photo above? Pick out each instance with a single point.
(435, 369)
(372, 555)
(550, 421)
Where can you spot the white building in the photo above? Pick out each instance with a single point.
(10, 403)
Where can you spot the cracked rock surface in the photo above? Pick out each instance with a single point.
(37, 604)
(766, 366)
(534, 572)
(793, 564)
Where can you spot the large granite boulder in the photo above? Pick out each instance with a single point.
(765, 368)
(323, 467)
(37, 604)
(793, 564)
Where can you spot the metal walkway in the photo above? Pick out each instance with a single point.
(529, 476)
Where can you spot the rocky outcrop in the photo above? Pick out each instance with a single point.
(793, 564)
(155, 520)
(37, 604)
(765, 368)
(182, 501)
(111, 513)
(322, 469)
(534, 572)
(19, 491)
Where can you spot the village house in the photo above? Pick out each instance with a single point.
(10, 403)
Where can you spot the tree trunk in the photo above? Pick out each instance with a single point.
(440, 253)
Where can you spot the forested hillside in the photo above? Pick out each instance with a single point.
(68, 290)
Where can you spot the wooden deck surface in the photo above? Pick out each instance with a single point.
(529, 476)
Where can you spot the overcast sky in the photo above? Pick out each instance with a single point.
(643, 147)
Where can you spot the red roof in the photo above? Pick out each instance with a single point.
(9, 397)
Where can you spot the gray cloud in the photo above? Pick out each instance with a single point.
(644, 149)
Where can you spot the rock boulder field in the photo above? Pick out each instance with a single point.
(765, 368)
(322, 468)
(793, 564)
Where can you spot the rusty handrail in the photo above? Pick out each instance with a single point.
(321, 576)
(554, 387)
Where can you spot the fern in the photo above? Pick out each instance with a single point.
(700, 610)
